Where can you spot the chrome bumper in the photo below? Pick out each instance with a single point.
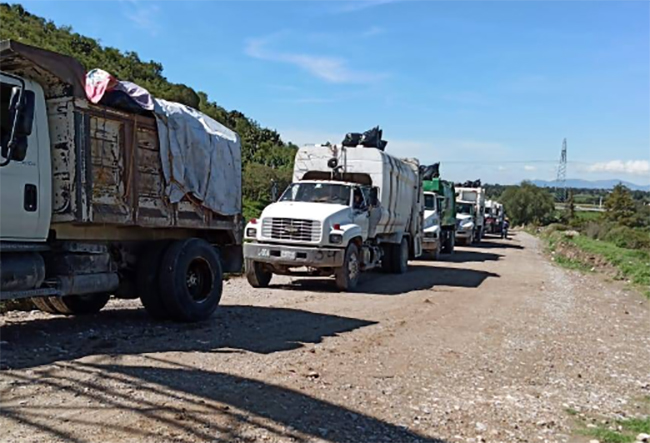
(294, 255)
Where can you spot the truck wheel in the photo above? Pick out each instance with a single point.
(347, 276)
(148, 275)
(387, 257)
(43, 304)
(400, 257)
(257, 276)
(435, 255)
(191, 280)
(80, 304)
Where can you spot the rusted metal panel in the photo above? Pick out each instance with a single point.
(110, 203)
(153, 210)
(107, 170)
(61, 122)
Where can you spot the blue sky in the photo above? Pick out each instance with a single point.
(488, 88)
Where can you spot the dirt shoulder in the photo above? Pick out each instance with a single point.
(493, 344)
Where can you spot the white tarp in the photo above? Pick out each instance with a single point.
(200, 157)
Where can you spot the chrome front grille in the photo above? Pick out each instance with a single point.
(291, 229)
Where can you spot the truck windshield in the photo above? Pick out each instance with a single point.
(464, 208)
(429, 202)
(317, 193)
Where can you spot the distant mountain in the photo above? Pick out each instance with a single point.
(589, 184)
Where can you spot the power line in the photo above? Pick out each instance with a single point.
(561, 174)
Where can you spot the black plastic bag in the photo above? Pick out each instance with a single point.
(352, 139)
(372, 138)
(430, 172)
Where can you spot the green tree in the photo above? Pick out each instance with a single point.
(261, 147)
(527, 204)
(620, 206)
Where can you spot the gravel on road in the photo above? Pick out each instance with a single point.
(492, 344)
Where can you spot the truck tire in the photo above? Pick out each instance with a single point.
(435, 255)
(387, 257)
(72, 304)
(449, 243)
(479, 236)
(257, 276)
(43, 304)
(147, 279)
(347, 276)
(191, 280)
(400, 257)
(80, 304)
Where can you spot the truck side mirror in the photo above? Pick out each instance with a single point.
(21, 116)
(21, 107)
(374, 197)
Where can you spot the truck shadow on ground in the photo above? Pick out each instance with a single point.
(178, 402)
(234, 328)
(469, 255)
(419, 277)
(496, 242)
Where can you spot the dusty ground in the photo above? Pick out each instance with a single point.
(493, 344)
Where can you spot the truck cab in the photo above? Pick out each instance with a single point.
(431, 242)
(470, 202)
(466, 215)
(25, 174)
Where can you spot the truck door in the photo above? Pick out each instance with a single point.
(360, 210)
(19, 180)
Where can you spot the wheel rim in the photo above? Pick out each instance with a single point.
(353, 267)
(199, 280)
(405, 254)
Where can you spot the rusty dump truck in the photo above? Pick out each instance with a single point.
(98, 201)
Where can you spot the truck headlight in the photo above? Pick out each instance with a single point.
(336, 239)
(251, 233)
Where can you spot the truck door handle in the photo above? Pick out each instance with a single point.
(30, 202)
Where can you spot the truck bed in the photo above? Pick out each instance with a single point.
(106, 169)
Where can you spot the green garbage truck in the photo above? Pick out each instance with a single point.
(439, 217)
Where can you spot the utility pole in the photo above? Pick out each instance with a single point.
(561, 175)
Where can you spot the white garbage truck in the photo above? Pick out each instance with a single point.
(470, 214)
(85, 192)
(348, 210)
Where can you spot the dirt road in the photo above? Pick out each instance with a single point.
(493, 344)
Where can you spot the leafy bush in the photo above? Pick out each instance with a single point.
(597, 230)
(629, 238)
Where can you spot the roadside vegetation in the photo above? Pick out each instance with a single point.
(616, 241)
(265, 156)
(621, 430)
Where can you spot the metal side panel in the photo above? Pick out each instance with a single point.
(150, 193)
(62, 140)
(109, 174)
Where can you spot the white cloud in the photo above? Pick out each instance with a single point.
(372, 31)
(360, 5)
(330, 69)
(530, 168)
(633, 167)
(502, 168)
(143, 16)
